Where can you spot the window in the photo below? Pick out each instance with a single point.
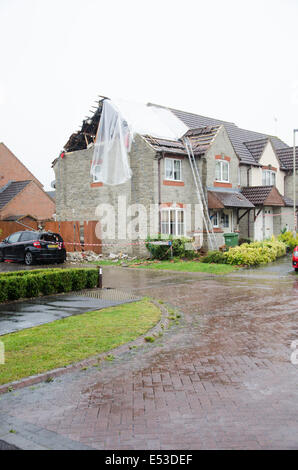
(219, 219)
(172, 169)
(172, 222)
(225, 222)
(28, 236)
(268, 178)
(222, 171)
(51, 237)
(96, 171)
(14, 237)
(214, 219)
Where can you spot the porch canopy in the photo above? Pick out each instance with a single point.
(229, 200)
(263, 196)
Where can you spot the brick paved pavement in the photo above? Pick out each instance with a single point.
(221, 379)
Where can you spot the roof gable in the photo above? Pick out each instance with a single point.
(16, 171)
(11, 190)
(285, 156)
(263, 195)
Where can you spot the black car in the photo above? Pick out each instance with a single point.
(30, 246)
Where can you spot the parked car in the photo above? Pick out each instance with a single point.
(295, 258)
(29, 246)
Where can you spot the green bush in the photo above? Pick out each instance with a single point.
(33, 286)
(79, 279)
(289, 239)
(214, 257)
(249, 254)
(164, 251)
(22, 284)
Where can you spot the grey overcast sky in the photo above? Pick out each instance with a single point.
(235, 60)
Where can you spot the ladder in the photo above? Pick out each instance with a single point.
(200, 194)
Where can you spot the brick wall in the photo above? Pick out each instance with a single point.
(33, 201)
(11, 169)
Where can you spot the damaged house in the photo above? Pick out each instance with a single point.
(246, 180)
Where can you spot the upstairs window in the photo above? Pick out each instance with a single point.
(172, 169)
(268, 178)
(222, 171)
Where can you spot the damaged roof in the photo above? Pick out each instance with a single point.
(200, 138)
(11, 190)
(228, 199)
(248, 145)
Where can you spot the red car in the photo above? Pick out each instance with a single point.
(295, 258)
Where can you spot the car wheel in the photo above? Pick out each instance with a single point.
(1, 257)
(28, 258)
(296, 269)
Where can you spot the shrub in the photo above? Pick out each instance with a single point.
(249, 254)
(23, 284)
(79, 279)
(255, 253)
(15, 288)
(215, 257)
(3, 290)
(32, 285)
(164, 251)
(244, 240)
(289, 239)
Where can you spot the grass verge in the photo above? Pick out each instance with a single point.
(62, 342)
(189, 266)
(175, 265)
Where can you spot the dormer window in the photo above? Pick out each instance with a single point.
(222, 171)
(268, 178)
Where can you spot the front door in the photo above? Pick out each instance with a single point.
(268, 222)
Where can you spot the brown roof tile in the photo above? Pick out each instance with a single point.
(229, 199)
(263, 195)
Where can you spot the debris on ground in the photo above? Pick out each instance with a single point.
(83, 256)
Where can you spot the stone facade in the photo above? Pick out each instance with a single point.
(78, 197)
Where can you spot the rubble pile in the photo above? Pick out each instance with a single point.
(83, 256)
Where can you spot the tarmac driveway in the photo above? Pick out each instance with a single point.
(221, 379)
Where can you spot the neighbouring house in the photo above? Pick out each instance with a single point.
(247, 178)
(21, 194)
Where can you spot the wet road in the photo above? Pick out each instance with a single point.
(221, 379)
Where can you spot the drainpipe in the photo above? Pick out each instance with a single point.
(248, 170)
(159, 191)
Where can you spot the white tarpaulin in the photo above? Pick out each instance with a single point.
(119, 121)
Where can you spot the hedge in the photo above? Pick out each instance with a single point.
(27, 284)
(249, 254)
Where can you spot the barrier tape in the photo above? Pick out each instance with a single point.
(104, 244)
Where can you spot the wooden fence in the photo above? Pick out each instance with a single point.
(77, 236)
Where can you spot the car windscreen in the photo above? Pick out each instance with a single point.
(51, 237)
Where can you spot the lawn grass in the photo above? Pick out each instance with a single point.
(72, 339)
(189, 266)
(175, 265)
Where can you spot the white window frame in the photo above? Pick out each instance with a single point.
(221, 163)
(172, 160)
(215, 217)
(95, 179)
(167, 210)
(270, 173)
(223, 216)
